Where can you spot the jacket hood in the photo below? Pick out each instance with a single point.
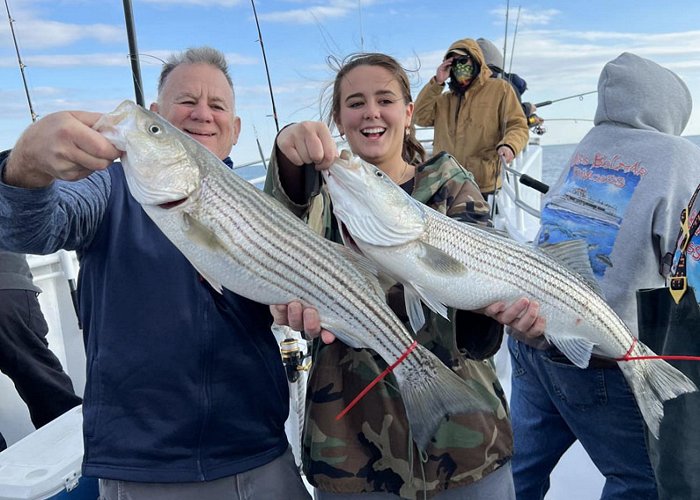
(492, 55)
(469, 45)
(638, 92)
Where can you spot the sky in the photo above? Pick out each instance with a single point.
(75, 52)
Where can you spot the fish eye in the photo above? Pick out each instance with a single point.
(154, 129)
(379, 174)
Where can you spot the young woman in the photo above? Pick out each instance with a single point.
(370, 449)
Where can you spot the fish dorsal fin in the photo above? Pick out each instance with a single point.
(491, 230)
(204, 236)
(366, 267)
(573, 254)
(577, 349)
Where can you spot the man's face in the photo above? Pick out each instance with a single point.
(462, 69)
(198, 100)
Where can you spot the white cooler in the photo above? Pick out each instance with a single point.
(46, 463)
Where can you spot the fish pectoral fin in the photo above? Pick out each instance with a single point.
(435, 260)
(577, 349)
(200, 233)
(204, 236)
(414, 309)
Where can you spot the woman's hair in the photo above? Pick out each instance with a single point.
(412, 151)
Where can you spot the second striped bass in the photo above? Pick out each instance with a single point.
(242, 239)
(448, 263)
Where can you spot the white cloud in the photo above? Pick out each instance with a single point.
(35, 33)
(525, 19)
(203, 3)
(315, 14)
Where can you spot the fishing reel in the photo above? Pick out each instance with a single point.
(539, 129)
(293, 359)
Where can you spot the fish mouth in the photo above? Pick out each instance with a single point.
(172, 204)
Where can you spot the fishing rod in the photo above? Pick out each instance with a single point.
(133, 52)
(580, 96)
(501, 161)
(19, 61)
(512, 47)
(505, 35)
(267, 69)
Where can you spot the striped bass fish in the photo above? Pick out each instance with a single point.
(242, 239)
(448, 263)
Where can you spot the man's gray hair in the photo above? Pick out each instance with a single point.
(194, 55)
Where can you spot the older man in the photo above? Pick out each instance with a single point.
(186, 396)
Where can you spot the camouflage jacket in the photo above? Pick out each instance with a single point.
(370, 448)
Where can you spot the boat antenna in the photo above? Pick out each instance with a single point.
(580, 96)
(267, 69)
(21, 64)
(133, 52)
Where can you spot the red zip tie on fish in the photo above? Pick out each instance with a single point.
(386, 372)
(667, 357)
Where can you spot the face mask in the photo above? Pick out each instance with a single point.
(462, 70)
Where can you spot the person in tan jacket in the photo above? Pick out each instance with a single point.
(479, 118)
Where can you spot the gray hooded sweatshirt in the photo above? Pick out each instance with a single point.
(627, 180)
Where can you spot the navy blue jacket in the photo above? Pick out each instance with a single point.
(183, 384)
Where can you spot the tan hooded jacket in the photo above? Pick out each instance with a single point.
(472, 127)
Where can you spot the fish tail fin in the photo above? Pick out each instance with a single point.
(433, 391)
(654, 381)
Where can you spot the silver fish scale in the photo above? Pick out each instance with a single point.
(265, 239)
(526, 269)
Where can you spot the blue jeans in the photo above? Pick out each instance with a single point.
(553, 404)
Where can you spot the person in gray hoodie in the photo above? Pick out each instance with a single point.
(625, 184)
(25, 356)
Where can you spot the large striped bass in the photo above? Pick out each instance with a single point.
(240, 238)
(447, 263)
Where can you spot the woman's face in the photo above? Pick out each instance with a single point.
(373, 115)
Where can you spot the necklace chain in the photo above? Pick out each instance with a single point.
(403, 174)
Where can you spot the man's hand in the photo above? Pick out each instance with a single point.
(506, 153)
(443, 71)
(59, 146)
(301, 319)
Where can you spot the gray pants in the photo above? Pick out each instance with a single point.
(277, 479)
(496, 486)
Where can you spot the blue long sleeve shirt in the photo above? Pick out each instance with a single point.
(183, 384)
